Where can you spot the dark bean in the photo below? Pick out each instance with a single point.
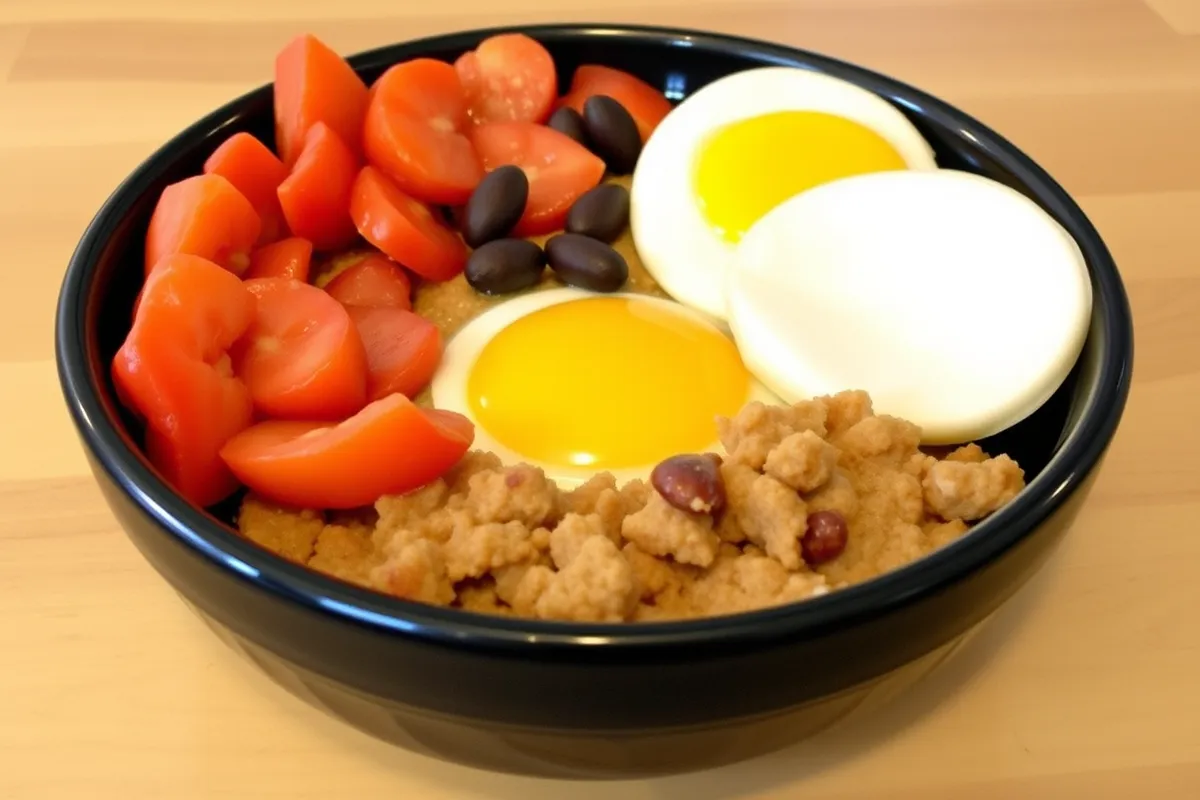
(587, 263)
(690, 483)
(567, 120)
(612, 132)
(495, 205)
(825, 538)
(601, 213)
(505, 265)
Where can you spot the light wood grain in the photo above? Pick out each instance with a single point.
(1084, 686)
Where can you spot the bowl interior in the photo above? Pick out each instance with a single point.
(678, 63)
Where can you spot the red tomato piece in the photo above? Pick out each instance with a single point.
(203, 216)
(256, 172)
(375, 281)
(287, 258)
(390, 447)
(403, 349)
(314, 84)
(510, 77)
(173, 371)
(301, 358)
(644, 103)
(316, 196)
(414, 132)
(405, 229)
(559, 169)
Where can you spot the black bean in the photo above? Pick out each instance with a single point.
(612, 132)
(587, 263)
(495, 205)
(601, 213)
(505, 265)
(567, 120)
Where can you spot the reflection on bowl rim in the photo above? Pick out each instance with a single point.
(1077, 455)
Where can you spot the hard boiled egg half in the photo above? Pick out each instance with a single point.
(954, 300)
(578, 383)
(740, 146)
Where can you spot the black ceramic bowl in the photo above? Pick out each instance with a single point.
(590, 700)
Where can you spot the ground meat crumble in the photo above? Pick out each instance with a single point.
(502, 539)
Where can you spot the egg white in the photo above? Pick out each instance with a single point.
(449, 385)
(679, 248)
(889, 258)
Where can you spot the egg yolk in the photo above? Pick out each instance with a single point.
(748, 167)
(607, 383)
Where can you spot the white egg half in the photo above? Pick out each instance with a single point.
(955, 301)
(671, 221)
(615, 382)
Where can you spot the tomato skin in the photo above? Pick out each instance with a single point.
(314, 84)
(414, 132)
(301, 358)
(375, 281)
(315, 197)
(644, 103)
(390, 447)
(203, 216)
(256, 172)
(173, 372)
(287, 258)
(562, 170)
(510, 77)
(404, 228)
(403, 349)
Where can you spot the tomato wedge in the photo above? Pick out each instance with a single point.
(375, 281)
(510, 77)
(404, 228)
(403, 349)
(314, 84)
(203, 216)
(173, 371)
(287, 258)
(301, 358)
(316, 196)
(390, 447)
(256, 172)
(559, 169)
(644, 103)
(414, 132)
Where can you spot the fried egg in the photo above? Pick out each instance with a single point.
(578, 383)
(740, 146)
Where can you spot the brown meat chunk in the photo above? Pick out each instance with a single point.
(750, 435)
(346, 553)
(802, 461)
(747, 582)
(475, 550)
(600, 496)
(597, 586)
(520, 493)
(663, 530)
(414, 570)
(568, 537)
(770, 514)
(287, 532)
(846, 409)
(970, 490)
(888, 439)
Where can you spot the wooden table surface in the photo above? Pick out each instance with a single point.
(1086, 685)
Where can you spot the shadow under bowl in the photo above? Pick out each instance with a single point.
(573, 700)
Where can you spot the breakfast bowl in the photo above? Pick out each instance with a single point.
(586, 698)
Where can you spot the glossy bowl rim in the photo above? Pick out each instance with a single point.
(1078, 454)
